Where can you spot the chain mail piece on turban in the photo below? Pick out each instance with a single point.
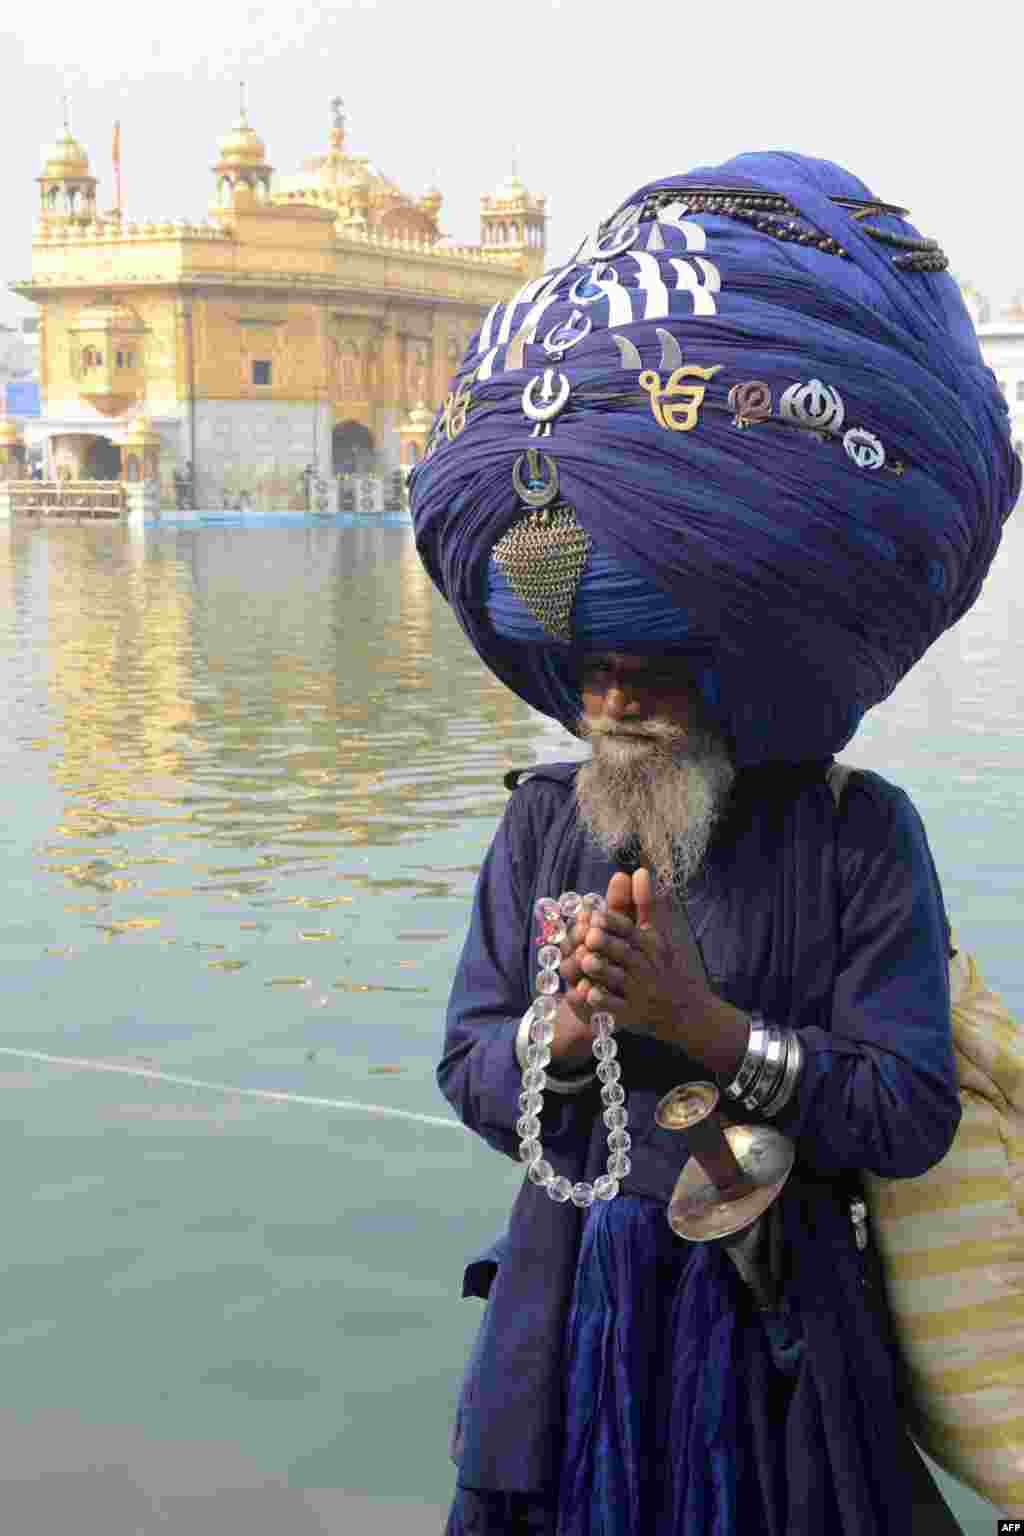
(747, 424)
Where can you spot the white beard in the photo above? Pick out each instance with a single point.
(666, 792)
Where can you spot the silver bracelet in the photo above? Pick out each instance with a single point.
(750, 1067)
(790, 1077)
(774, 1061)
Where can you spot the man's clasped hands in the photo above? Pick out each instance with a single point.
(638, 960)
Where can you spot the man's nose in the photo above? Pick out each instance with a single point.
(620, 701)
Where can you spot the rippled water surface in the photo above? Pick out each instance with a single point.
(250, 775)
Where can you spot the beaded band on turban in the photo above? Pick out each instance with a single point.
(748, 424)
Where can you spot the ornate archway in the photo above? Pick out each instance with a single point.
(352, 449)
(103, 461)
(84, 456)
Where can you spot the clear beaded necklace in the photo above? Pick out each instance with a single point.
(552, 917)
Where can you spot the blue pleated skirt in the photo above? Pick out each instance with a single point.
(667, 1429)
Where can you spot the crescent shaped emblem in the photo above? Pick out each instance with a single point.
(554, 399)
(536, 490)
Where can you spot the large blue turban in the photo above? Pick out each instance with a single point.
(797, 523)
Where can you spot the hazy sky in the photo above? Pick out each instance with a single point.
(923, 101)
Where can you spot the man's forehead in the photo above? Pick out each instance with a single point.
(631, 661)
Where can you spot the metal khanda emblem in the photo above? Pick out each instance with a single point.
(553, 399)
(865, 449)
(561, 337)
(814, 404)
(536, 487)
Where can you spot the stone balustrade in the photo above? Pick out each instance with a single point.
(179, 230)
(75, 499)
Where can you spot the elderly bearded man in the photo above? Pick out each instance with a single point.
(706, 511)
(659, 794)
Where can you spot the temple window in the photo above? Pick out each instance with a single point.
(120, 359)
(261, 372)
(350, 371)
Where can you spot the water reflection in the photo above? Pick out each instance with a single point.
(281, 693)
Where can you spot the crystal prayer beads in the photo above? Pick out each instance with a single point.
(552, 917)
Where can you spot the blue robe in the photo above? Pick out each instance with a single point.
(832, 923)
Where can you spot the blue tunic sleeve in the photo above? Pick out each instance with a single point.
(479, 1074)
(879, 1090)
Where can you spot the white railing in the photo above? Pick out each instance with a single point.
(66, 498)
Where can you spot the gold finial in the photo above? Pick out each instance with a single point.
(337, 138)
(241, 94)
(67, 114)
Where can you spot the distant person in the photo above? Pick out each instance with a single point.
(758, 469)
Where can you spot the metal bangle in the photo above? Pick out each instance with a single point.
(768, 1033)
(774, 1061)
(753, 1060)
(790, 1078)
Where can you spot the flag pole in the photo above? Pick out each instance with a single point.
(117, 166)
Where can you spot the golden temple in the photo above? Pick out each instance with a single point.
(312, 321)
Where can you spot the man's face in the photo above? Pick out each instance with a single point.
(621, 692)
(660, 771)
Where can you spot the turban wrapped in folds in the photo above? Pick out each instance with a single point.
(797, 521)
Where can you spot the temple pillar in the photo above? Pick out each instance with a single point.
(140, 471)
(413, 435)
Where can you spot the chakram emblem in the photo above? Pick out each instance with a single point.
(864, 448)
(813, 404)
(561, 337)
(751, 402)
(552, 400)
(588, 288)
(616, 240)
(535, 478)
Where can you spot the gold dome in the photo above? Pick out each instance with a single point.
(10, 435)
(242, 146)
(66, 158)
